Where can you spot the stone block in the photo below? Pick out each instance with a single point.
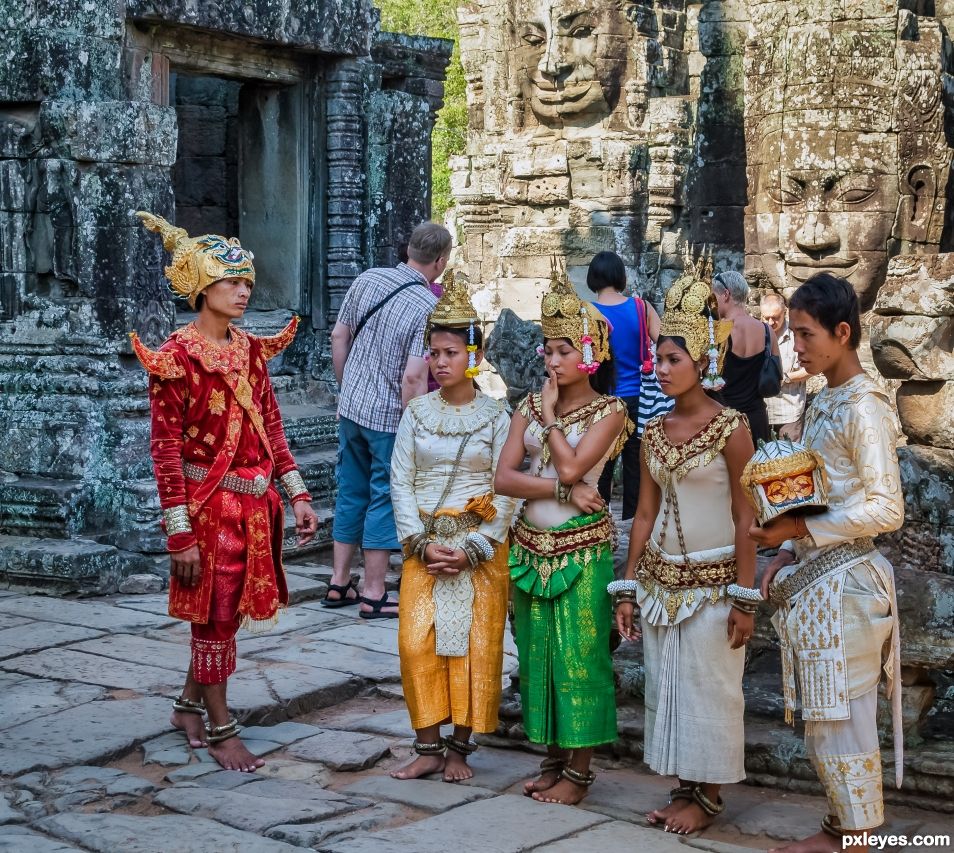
(913, 346)
(111, 131)
(67, 564)
(425, 794)
(392, 723)
(69, 665)
(365, 635)
(107, 833)
(352, 660)
(141, 585)
(40, 635)
(926, 606)
(199, 181)
(475, 828)
(248, 810)
(96, 615)
(88, 733)
(202, 131)
(17, 839)
(342, 750)
(310, 834)
(925, 412)
(37, 64)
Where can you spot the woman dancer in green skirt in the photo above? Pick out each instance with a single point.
(561, 559)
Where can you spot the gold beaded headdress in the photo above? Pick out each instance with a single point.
(565, 315)
(454, 310)
(686, 317)
(198, 262)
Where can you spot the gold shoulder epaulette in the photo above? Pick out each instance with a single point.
(158, 362)
(274, 344)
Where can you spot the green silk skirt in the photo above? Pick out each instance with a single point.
(562, 631)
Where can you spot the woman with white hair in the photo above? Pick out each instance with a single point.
(747, 352)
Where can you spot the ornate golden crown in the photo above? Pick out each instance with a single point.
(454, 309)
(565, 315)
(685, 315)
(198, 262)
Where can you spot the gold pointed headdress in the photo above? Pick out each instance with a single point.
(454, 310)
(565, 315)
(690, 315)
(198, 262)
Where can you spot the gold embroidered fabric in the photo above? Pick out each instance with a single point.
(670, 462)
(854, 787)
(228, 359)
(546, 550)
(531, 407)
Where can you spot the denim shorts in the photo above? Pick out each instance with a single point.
(363, 513)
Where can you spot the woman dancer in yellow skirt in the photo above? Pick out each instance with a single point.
(454, 531)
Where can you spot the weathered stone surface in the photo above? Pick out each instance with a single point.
(17, 839)
(395, 723)
(106, 833)
(324, 654)
(283, 733)
(511, 349)
(168, 749)
(98, 781)
(95, 731)
(475, 828)
(786, 821)
(925, 411)
(618, 835)
(424, 794)
(99, 617)
(141, 584)
(341, 750)
(8, 814)
(365, 635)
(247, 809)
(41, 636)
(132, 647)
(310, 834)
(66, 665)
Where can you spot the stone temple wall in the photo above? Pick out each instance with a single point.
(786, 136)
(259, 119)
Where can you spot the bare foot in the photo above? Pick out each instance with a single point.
(546, 780)
(565, 792)
(820, 842)
(423, 765)
(456, 768)
(690, 818)
(233, 755)
(657, 816)
(191, 725)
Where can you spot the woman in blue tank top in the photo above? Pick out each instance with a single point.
(606, 277)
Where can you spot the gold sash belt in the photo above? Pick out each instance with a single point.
(783, 591)
(686, 575)
(552, 543)
(446, 524)
(230, 482)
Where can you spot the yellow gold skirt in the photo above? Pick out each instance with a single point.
(465, 689)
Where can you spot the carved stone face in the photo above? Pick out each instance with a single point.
(825, 201)
(571, 56)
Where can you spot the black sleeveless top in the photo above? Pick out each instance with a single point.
(741, 390)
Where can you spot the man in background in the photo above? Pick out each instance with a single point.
(786, 411)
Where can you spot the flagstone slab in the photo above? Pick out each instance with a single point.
(69, 665)
(40, 635)
(342, 750)
(364, 634)
(19, 839)
(617, 835)
(283, 733)
(109, 833)
(310, 834)
(323, 652)
(249, 810)
(394, 723)
(100, 616)
(26, 697)
(426, 794)
(275, 691)
(303, 588)
(478, 828)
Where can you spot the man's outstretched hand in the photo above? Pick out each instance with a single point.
(306, 522)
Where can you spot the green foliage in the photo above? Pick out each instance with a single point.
(436, 18)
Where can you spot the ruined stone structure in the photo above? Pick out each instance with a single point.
(267, 120)
(789, 136)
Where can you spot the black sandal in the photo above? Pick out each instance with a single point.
(343, 601)
(376, 607)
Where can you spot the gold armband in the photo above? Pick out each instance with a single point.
(293, 484)
(177, 520)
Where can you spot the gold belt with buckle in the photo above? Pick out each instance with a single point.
(695, 573)
(256, 486)
(783, 591)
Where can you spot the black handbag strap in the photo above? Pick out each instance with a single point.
(377, 307)
(768, 341)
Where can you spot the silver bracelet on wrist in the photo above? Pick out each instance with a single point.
(481, 543)
(743, 593)
(293, 483)
(622, 586)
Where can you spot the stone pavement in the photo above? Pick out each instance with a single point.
(89, 762)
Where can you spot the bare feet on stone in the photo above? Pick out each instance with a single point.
(820, 842)
(423, 765)
(233, 755)
(689, 818)
(546, 780)
(660, 817)
(456, 768)
(191, 725)
(564, 792)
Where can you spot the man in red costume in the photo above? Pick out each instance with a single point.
(218, 445)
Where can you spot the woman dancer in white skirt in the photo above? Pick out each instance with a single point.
(691, 567)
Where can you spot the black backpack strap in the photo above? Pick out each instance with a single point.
(380, 305)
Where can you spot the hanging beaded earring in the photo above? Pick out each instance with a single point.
(472, 369)
(713, 381)
(589, 364)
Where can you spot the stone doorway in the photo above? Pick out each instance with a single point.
(241, 170)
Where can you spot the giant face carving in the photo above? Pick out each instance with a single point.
(825, 200)
(571, 57)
